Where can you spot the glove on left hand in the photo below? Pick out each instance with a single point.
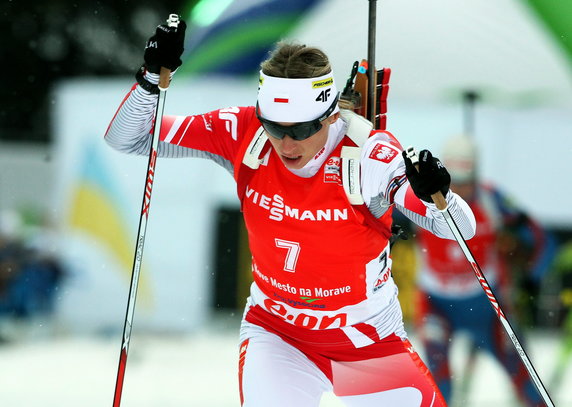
(165, 48)
(431, 177)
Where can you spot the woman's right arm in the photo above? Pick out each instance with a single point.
(131, 128)
(214, 135)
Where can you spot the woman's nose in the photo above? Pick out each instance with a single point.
(288, 144)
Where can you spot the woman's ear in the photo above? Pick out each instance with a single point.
(333, 118)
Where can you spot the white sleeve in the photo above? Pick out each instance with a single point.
(434, 221)
(130, 128)
(384, 184)
(382, 173)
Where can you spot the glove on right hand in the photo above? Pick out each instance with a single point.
(431, 177)
(165, 47)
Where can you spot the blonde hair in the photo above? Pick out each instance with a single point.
(290, 60)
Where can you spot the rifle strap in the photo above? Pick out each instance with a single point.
(358, 131)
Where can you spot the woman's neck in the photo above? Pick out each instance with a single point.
(335, 135)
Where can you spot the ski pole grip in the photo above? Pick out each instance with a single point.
(165, 73)
(438, 198)
(439, 201)
(164, 78)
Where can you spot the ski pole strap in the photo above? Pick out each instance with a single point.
(144, 83)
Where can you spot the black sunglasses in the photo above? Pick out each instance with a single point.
(299, 131)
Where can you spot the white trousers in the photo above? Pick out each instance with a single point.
(273, 373)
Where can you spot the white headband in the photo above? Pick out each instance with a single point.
(295, 99)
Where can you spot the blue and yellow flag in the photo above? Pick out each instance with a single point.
(96, 209)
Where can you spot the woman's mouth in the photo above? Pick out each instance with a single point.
(291, 159)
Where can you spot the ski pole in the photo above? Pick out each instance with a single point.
(441, 204)
(164, 78)
(372, 72)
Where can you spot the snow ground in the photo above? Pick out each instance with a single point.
(198, 369)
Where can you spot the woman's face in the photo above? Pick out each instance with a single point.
(296, 154)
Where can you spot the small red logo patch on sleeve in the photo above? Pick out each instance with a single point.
(281, 100)
(383, 153)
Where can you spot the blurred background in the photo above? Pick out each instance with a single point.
(499, 72)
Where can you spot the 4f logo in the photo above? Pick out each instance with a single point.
(324, 95)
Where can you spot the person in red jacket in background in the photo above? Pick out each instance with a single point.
(509, 244)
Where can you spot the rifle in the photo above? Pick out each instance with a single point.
(366, 89)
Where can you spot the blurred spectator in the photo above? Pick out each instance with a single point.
(29, 276)
(562, 270)
(513, 251)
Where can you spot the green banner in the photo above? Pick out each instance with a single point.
(557, 18)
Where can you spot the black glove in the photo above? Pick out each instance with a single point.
(165, 48)
(431, 177)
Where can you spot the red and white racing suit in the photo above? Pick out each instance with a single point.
(323, 312)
